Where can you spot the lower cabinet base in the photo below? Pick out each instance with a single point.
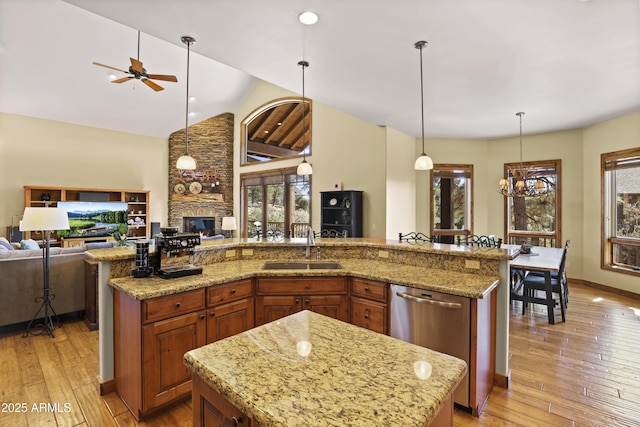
(210, 409)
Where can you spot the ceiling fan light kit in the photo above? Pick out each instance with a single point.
(423, 162)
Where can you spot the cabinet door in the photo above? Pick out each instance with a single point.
(165, 377)
(210, 409)
(229, 319)
(270, 308)
(369, 314)
(330, 305)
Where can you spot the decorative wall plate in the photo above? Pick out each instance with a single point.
(179, 188)
(195, 187)
(333, 202)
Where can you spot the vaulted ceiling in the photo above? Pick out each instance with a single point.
(566, 63)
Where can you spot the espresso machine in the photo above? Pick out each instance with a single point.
(174, 252)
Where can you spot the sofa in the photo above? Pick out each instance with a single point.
(21, 282)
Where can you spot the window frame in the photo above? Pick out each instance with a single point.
(513, 236)
(266, 178)
(608, 239)
(468, 230)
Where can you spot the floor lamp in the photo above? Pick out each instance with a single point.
(46, 220)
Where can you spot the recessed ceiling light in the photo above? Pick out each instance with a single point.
(192, 98)
(192, 113)
(111, 76)
(308, 18)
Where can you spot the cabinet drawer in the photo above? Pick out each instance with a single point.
(229, 292)
(369, 289)
(369, 314)
(302, 285)
(172, 305)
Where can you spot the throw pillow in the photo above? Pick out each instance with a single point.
(4, 243)
(29, 244)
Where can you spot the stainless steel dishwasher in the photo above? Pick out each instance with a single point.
(437, 321)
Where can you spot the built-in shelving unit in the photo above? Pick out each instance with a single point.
(137, 208)
(341, 211)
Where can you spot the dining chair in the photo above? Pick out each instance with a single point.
(555, 274)
(414, 237)
(484, 241)
(535, 281)
(298, 229)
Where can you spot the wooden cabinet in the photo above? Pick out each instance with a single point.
(136, 217)
(341, 211)
(369, 305)
(152, 336)
(230, 309)
(277, 297)
(210, 409)
(165, 377)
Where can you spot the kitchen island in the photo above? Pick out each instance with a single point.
(307, 369)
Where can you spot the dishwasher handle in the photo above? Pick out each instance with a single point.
(430, 301)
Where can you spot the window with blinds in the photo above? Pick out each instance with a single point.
(621, 211)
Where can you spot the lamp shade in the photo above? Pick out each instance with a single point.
(228, 223)
(186, 162)
(423, 163)
(304, 168)
(36, 219)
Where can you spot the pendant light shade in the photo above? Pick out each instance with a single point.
(304, 168)
(186, 162)
(423, 162)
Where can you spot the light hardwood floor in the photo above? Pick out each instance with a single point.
(585, 372)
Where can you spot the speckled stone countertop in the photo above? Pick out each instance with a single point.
(456, 283)
(307, 369)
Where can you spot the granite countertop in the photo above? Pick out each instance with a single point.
(307, 367)
(451, 282)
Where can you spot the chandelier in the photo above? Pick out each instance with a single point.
(527, 184)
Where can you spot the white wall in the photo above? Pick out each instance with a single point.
(45, 152)
(344, 149)
(612, 135)
(401, 188)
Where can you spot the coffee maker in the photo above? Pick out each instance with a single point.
(174, 252)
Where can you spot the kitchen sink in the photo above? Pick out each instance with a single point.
(301, 265)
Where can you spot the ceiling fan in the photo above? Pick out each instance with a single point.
(137, 71)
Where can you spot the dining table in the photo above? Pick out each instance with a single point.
(540, 259)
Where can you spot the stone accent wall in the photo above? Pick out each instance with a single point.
(211, 144)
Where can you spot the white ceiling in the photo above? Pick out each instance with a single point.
(566, 63)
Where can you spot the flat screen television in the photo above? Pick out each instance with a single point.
(94, 219)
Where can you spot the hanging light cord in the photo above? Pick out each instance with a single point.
(303, 64)
(186, 133)
(420, 45)
(520, 114)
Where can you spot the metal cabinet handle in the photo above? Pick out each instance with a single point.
(236, 421)
(201, 316)
(213, 313)
(233, 291)
(297, 301)
(430, 301)
(178, 305)
(366, 289)
(366, 316)
(306, 301)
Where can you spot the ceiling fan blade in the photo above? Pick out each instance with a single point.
(122, 80)
(136, 65)
(107, 66)
(152, 85)
(164, 77)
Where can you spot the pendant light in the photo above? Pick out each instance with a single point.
(424, 162)
(186, 162)
(526, 183)
(304, 168)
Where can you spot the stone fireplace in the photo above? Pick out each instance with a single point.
(203, 225)
(207, 192)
